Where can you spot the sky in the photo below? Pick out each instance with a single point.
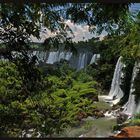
(80, 31)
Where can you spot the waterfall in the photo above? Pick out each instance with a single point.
(94, 58)
(115, 93)
(115, 90)
(82, 61)
(131, 107)
(138, 108)
(68, 55)
(57, 56)
(77, 61)
(53, 57)
(98, 56)
(41, 55)
(61, 55)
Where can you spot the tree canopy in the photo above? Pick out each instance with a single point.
(19, 22)
(29, 98)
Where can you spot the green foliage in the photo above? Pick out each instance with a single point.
(65, 69)
(76, 90)
(100, 15)
(57, 82)
(18, 109)
(77, 97)
(102, 73)
(82, 76)
(61, 102)
(135, 120)
(29, 99)
(11, 83)
(137, 87)
(101, 106)
(130, 43)
(61, 70)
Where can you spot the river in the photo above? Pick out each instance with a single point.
(92, 127)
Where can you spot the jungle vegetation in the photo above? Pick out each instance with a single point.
(31, 97)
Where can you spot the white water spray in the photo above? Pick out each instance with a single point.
(115, 90)
(94, 58)
(115, 93)
(131, 107)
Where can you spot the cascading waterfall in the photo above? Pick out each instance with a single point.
(115, 91)
(53, 57)
(68, 55)
(94, 58)
(138, 108)
(56, 56)
(64, 55)
(41, 55)
(78, 61)
(81, 61)
(97, 58)
(131, 107)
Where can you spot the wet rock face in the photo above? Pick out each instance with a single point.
(81, 115)
(95, 98)
(122, 117)
(131, 131)
(91, 96)
(115, 107)
(98, 113)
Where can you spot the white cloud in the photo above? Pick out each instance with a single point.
(81, 32)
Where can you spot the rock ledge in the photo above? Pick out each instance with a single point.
(130, 131)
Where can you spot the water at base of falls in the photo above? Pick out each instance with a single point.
(102, 127)
(115, 93)
(109, 99)
(91, 127)
(130, 108)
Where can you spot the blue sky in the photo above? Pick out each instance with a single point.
(135, 7)
(81, 31)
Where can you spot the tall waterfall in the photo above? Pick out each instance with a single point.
(115, 93)
(57, 56)
(115, 90)
(82, 61)
(95, 58)
(41, 55)
(131, 107)
(53, 57)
